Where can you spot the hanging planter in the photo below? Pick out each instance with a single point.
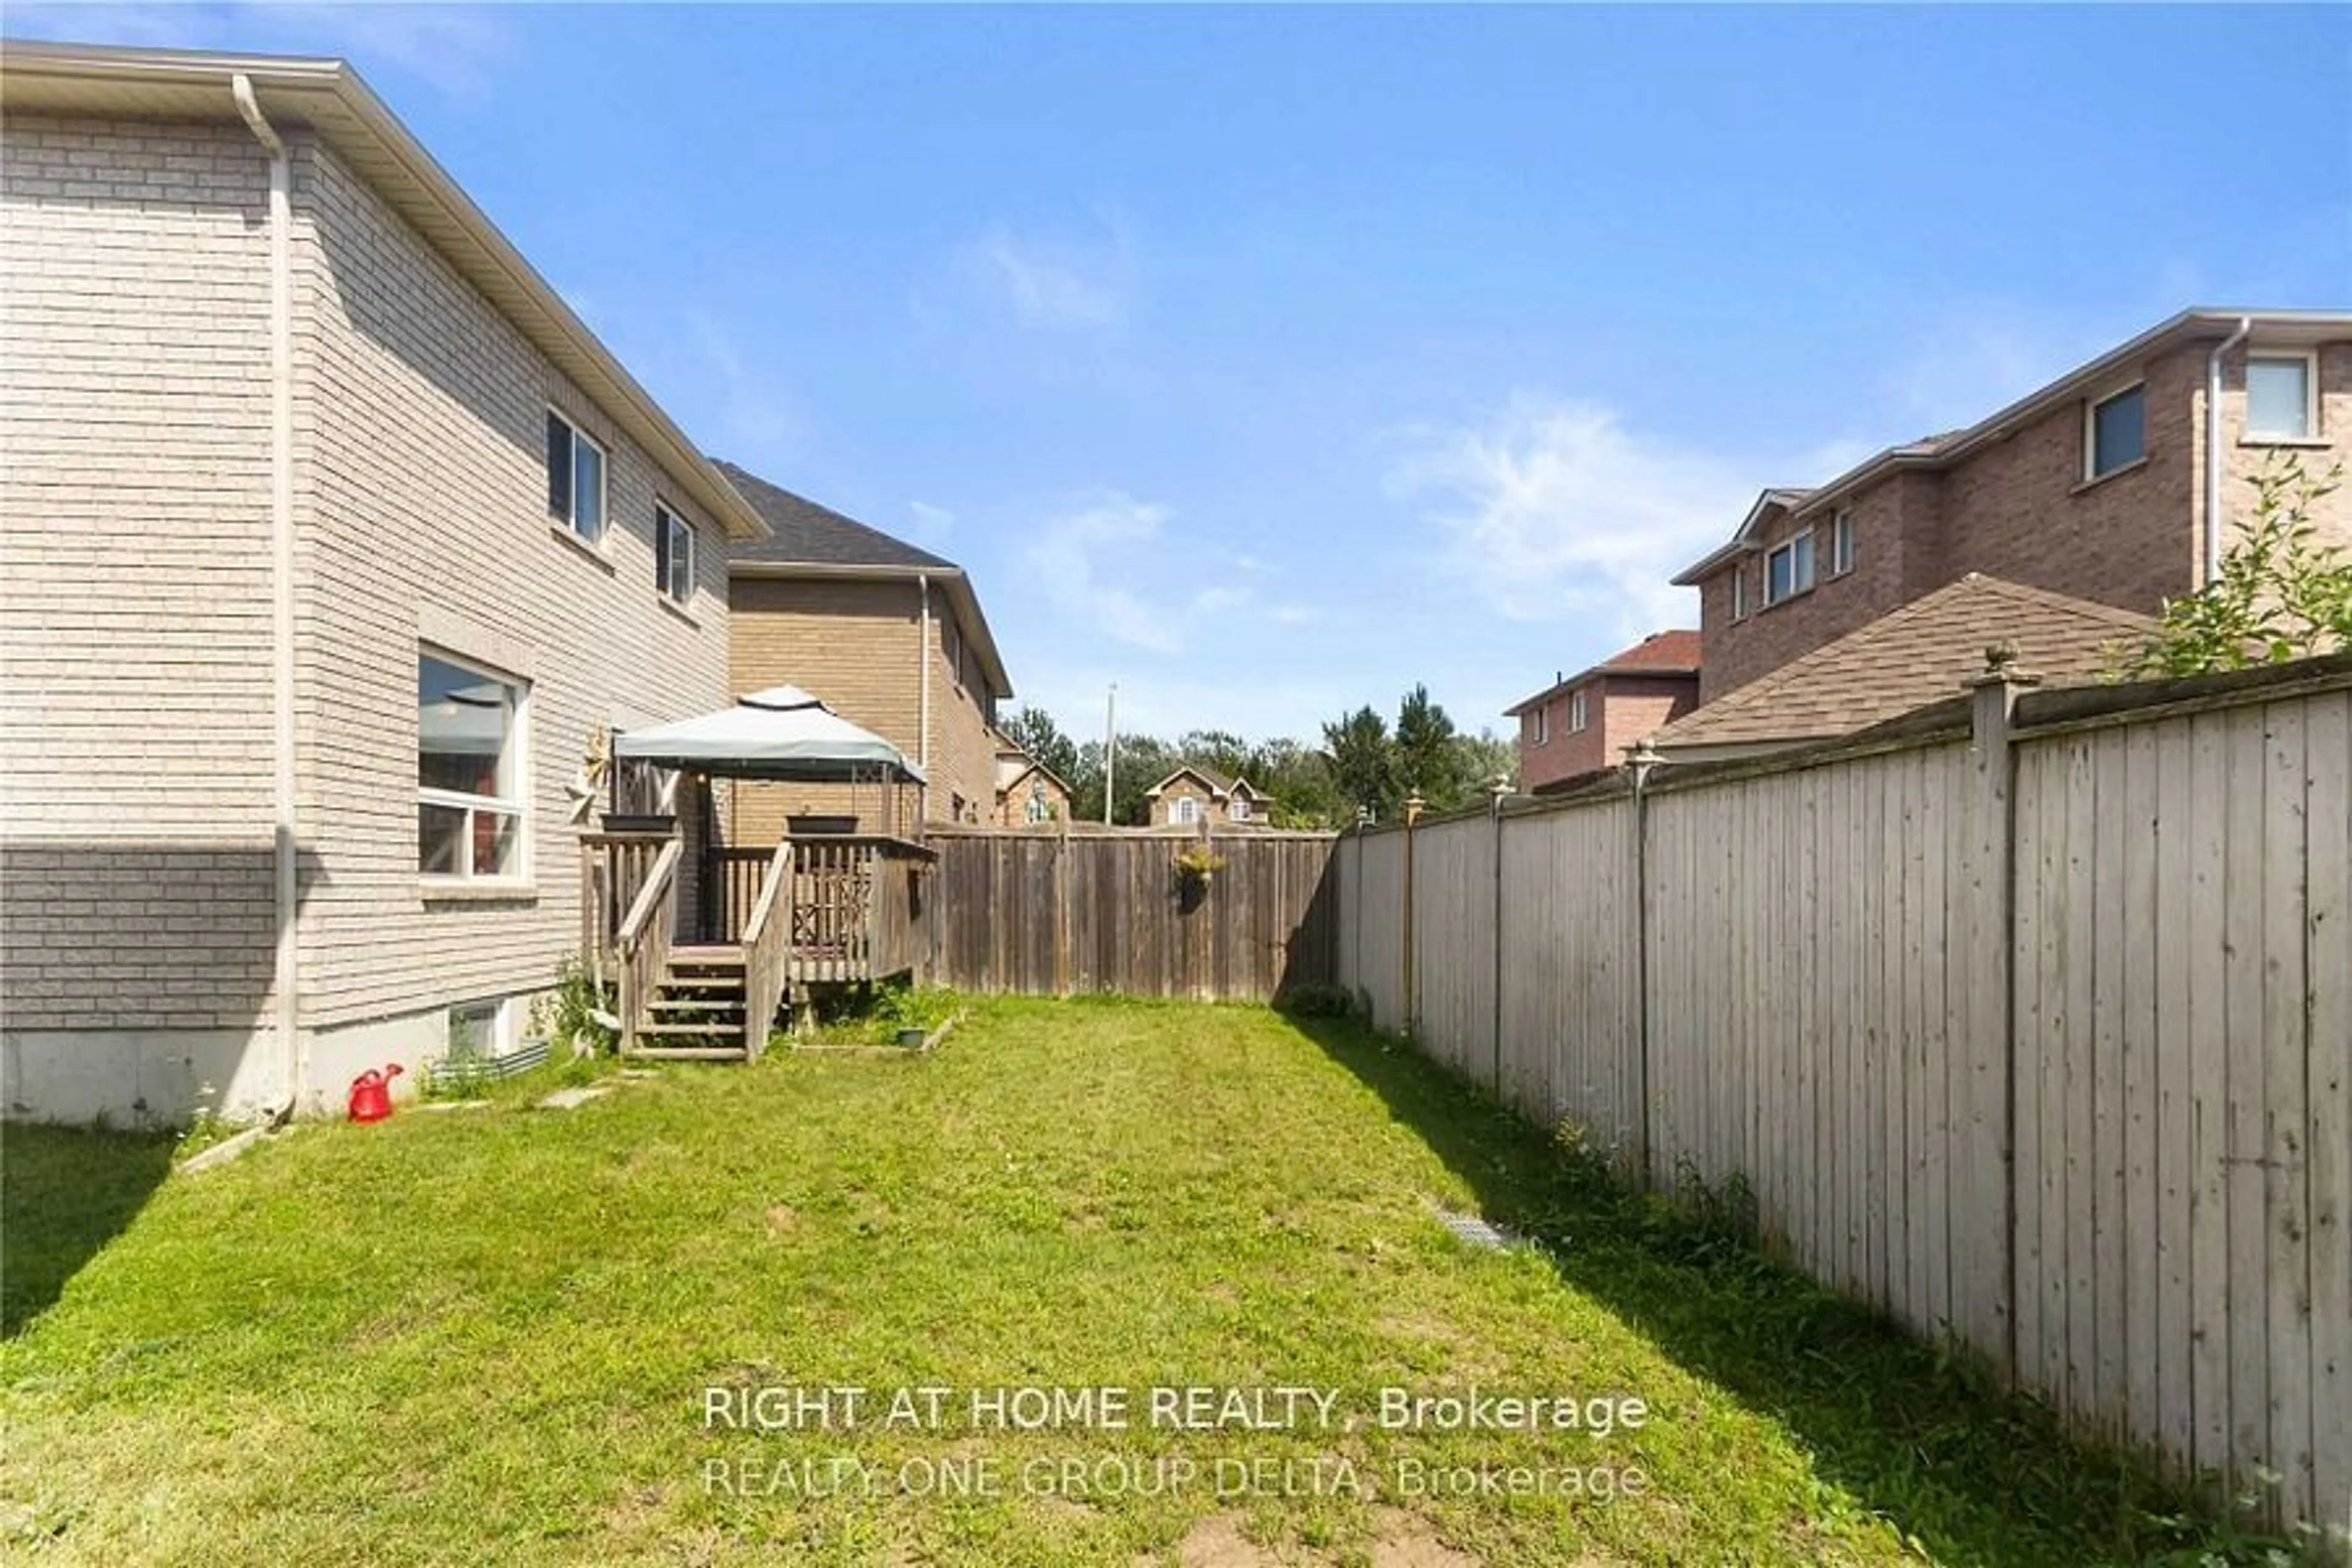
(1197, 864)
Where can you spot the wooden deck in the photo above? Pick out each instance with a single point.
(760, 926)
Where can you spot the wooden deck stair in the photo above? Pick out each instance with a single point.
(697, 1008)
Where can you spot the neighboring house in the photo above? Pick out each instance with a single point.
(1192, 796)
(889, 637)
(332, 539)
(2100, 486)
(1922, 653)
(1579, 725)
(1028, 793)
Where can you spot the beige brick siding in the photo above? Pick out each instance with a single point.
(1163, 808)
(134, 537)
(2018, 508)
(854, 645)
(135, 684)
(422, 472)
(1012, 805)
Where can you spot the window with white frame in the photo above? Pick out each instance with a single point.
(1842, 542)
(1789, 569)
(673, 556)
(1041, 805)
(1577, 713)
(1537, 725)
(575, 479)
(1238, 808)
(1187, 811)
(2282, 397)
(469, 775)
(1739, 593)
(2115, 432)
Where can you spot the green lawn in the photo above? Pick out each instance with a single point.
(487, 1336)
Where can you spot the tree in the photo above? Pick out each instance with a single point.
(2280, 594)
(1034, 731)
(1429, 762)
(1362, 763)
(1143, 760)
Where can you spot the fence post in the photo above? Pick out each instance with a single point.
(1989, 1030)
(1411, 1020)
(1501, 792)
(1640, 760)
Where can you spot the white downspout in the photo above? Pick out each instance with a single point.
(923, 698)
(2213, 446)
(281, 539)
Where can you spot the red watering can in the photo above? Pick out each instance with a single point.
(372, 1093)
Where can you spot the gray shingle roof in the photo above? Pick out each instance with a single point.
(810, 535)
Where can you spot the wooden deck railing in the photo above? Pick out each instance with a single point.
(612, 871)
(856, 907)
(733, 881)
(641, 949)
(767, 951)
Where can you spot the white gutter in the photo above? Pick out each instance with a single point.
(2213, 446)
(281, 571)
(923, 691)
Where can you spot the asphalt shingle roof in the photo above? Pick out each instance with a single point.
(1910, 657)
(808, 534)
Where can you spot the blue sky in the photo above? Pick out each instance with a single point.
(1266, 362)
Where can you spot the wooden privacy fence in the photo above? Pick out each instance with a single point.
(1040, 913)
(2033, 1023)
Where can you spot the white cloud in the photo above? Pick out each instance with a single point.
(1059, 283)
(1553, 509)
(1084, 558)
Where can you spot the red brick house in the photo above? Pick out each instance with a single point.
(1580, 725)
(2112, 485)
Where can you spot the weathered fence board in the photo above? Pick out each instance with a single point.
(1041, 914)
(2042, 1035)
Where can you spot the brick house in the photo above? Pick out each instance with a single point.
(332, 539)
(890, 635)
(1195, 796)
(1028, 793)
(1579, 725)
(2109, 485)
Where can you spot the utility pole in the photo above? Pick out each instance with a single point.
(1110, 750)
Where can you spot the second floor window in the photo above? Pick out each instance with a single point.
(1188, 810)
(1238, 808)
(1841, 544)
(575, 479)
(1576, 711)
(1538, 729)
(1789, 569)
(1738, 592)
(673, 556)
(2116, 432)
(2279, 405)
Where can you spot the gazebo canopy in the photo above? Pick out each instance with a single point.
(780, 733)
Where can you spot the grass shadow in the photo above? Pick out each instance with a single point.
(65, 1193)
(1916, 1434)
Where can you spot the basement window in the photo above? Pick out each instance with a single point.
(469, 775)
(2115, 432)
